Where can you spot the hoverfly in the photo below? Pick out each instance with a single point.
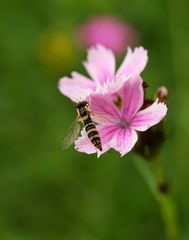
(84, 116)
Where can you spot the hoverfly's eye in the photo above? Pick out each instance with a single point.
(86, 104)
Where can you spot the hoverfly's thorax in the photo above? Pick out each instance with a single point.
(83, 111)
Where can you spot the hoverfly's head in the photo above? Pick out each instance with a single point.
(82, 104)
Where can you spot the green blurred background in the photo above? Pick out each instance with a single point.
(47, 193)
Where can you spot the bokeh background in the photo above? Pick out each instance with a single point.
(47, 193)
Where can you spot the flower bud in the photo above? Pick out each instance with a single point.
(162, 94)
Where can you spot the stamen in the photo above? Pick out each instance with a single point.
(118, 102)
(122, 123)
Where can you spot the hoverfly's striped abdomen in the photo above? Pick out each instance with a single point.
(90, 128)
(92, 133)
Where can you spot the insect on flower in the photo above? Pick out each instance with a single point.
(126, 118)
(87, 118)
(112, 109)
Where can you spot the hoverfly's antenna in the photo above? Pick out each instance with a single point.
(81, 99)
(78, 100)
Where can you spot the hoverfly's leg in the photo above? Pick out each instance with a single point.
(90, 101)
(79, 119)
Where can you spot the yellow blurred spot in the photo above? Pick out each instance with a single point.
(55, 50)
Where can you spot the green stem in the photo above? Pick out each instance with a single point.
(153, 175)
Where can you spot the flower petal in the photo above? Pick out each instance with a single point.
(112, 86)
(103, 104)
(124, 140)
(83, 144)
(132, 94)
(100, 64)
(150, 116)
(77, 87)
(134, 62)
(106, 133)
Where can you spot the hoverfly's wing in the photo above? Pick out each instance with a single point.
(71, 134)
(100, 117)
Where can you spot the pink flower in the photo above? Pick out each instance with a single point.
(108, 31)
(119, 130)
(116, 94)
(100, 66)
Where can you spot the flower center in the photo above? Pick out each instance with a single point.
(124, 124)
